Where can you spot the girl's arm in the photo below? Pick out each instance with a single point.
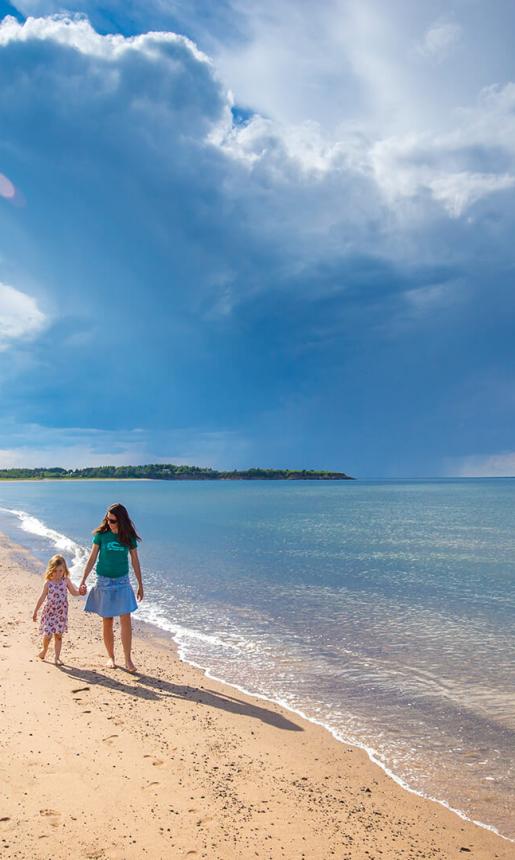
(40, 601)
(95, 549)
(137, 571)
(72, 588)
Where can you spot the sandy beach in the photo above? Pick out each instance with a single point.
(97, 763)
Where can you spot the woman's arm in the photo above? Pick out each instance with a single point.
(95, 549)
(40, 601)
(72, 588)
(137, 571)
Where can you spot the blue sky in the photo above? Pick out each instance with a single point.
(242, 233)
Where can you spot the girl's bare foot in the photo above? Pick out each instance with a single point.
(129, 665)
(58, 661)
(111, 664)
(42, 655)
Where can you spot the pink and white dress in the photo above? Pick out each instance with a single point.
(54, 618)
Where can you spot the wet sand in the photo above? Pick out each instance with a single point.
(98, 763)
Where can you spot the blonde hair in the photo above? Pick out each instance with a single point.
(54, 562)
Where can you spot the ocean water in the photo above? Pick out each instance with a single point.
(383, 610)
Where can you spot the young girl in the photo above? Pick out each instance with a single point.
(114, 541)
(54, 618)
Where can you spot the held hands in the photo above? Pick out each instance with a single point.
(82, 589)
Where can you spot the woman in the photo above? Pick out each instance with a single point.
(113, 541)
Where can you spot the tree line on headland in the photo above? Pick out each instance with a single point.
(171, 472)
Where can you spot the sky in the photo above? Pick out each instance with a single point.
(241, 234)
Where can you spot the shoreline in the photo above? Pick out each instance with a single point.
(67, 480)
(333, 826)
(171, 480)
(333, 733)
(147, 628)
(181, 650)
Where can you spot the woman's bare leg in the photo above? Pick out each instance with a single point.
(44, 649)
(109, 641)
(58, 641)
(126, 634)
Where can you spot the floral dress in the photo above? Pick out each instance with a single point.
(54, 618)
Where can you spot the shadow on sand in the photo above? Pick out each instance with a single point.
(157, 689)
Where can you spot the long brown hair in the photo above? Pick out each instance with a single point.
(126, 528)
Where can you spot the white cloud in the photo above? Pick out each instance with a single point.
(35, 445)
(363, 102)
(412, 167)
(458, 191)
(77, 32)
(484, 466)
(20, 316)
(142, 72)
(153, 106)
(444, 167)
(361, 159)
(440, 38)
(142, 197)
(105, 134)
(295, 195)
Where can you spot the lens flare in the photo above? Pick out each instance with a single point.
(7, 189)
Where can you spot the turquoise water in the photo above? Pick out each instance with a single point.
(383, 610)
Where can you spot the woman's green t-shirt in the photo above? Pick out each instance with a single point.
(113, 559)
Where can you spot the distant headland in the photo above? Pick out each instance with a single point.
(171, 472)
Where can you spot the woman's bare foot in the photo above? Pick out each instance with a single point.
(58, 661)
(129, 665)
(111, 664)
(42, 655)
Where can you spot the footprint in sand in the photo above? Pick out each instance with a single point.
(150, 785)
(53, 815)
(157, 761)
(109, 738)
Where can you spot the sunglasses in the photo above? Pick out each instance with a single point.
(111, 519)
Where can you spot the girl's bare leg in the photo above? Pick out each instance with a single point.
(44, 649)
(58, 641)
(126, 635)
(109, 641)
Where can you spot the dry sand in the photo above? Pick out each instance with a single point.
(97, 763)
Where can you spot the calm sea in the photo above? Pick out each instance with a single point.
(383, 610)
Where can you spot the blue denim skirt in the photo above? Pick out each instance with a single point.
(110, 597)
